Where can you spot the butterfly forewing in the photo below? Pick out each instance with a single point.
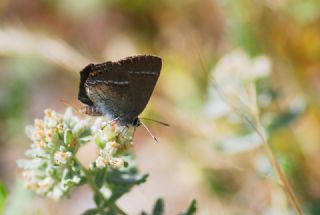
(143, 74)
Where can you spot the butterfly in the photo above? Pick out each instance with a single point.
(119, 90)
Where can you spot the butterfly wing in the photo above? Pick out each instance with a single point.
(143, 73)
(122, 89)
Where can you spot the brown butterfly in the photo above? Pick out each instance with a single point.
(119, 90)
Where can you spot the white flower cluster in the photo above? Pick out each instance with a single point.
(233, 96)
(114, 142)
(51, 169)
(233, 83)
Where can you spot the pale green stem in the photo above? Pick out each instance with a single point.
(258, 128)
(96, 189)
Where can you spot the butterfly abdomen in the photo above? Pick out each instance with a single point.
(91, 110)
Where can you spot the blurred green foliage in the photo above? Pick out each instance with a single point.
(3, 197)
(159, 208)
(19, 200)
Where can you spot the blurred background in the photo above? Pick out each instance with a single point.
(45, 43)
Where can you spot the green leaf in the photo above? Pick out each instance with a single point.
(120, 182)
(284, 120)
(191, 209)
(92, 211)
(85, 133)
(158, 208)
(124, 178)
(68, 136)
(117, 191)
(3, 196)
(97, 199)
(111, 212)
(100, 144)
(221, 182)
(100, 177)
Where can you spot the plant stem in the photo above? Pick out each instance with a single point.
(119, 210)
(96, 189)
(283, 179)
(256, 125)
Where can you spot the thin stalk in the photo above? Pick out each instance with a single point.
(260, 131)
(283, 179)
(255, 124)
(96, 189)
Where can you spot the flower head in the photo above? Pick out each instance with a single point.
(114, 141)
(233, 83)
(50, 169)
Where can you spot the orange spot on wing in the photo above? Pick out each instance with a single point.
(93, 74)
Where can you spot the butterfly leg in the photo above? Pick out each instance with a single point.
(109, 122)
(113, 120)
(124, 130)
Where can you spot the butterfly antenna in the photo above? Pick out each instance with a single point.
(153, 120)
(124, 131)
(148, 130)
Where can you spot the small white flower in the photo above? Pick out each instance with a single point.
(41, 173)
(51, 122)
(38, 124)
(76, 179)
(240, 144)
(62, 157)
(56, 193)
(45, 184)
(262, 66)
(99, 123)
(116, 163)
(31, 185)
(50, 169)
(68, 114)
(108, 133)
(111, 147)
(81, 125)
(233, 83)
(49, 113)
(30, 164)
(106, 192)
(28, 175)
(102, 162)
